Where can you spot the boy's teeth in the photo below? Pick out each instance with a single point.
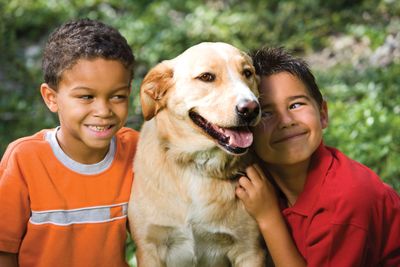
(98, 128)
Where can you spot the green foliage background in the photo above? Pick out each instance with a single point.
(352, 46)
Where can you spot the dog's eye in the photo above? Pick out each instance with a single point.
(247, 73)
(207, 77)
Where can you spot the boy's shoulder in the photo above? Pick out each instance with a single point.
(352, 172)
(27, 144)
(353, 193)
(126, 134)
(127, 139)
(354, 184)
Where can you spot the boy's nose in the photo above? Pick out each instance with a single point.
(102, 109)
(286, 119)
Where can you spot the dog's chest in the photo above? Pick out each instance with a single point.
(198, 245)
(211, 200)
(210, 221)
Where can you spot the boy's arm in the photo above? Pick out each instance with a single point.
(14, 207)
(259, 197)
(8, 259)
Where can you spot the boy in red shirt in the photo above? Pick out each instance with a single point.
(64, 191)
(336, 210)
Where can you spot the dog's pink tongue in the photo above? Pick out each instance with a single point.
(239, 138)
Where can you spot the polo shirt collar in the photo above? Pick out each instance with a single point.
(321, 162)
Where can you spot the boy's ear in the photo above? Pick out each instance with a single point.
(49, 96)
(324, 114)
(154, 88)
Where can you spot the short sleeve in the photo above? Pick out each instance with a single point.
(14, 202)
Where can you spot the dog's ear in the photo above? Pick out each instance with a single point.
(154, 88)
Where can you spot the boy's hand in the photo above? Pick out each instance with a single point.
(258, 195)
(259, 198)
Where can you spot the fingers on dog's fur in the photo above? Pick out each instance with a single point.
(259, 170)
(255, 173)
(245, 182)
(241, 192)
(153, 89)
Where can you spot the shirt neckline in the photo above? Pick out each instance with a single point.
(86, 169)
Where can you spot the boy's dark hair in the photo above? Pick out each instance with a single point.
(268, 61)
(83, 39)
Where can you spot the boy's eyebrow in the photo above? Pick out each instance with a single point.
(91, 89)
(81, 88)
(299, 96)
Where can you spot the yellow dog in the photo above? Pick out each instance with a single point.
(183, 211)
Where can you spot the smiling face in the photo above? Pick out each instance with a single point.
(92, 105)
(291, 126)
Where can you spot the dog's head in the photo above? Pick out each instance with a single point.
(213, 88)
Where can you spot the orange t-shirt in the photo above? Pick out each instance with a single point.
(57, 212)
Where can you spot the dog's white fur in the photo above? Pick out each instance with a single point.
(183, 211)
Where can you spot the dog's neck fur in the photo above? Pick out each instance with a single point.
(213, 162)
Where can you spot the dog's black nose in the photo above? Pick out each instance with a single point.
(248, 110)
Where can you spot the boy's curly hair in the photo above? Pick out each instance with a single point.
(83, 39)
(268, 61)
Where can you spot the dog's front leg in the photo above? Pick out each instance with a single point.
(163, 256)
(147, 256)
(179, 248)
(150, 242)
(166, 246)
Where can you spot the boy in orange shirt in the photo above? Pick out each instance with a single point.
(64, 191)
(319, 207)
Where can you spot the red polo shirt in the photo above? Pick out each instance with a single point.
(346, 216)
